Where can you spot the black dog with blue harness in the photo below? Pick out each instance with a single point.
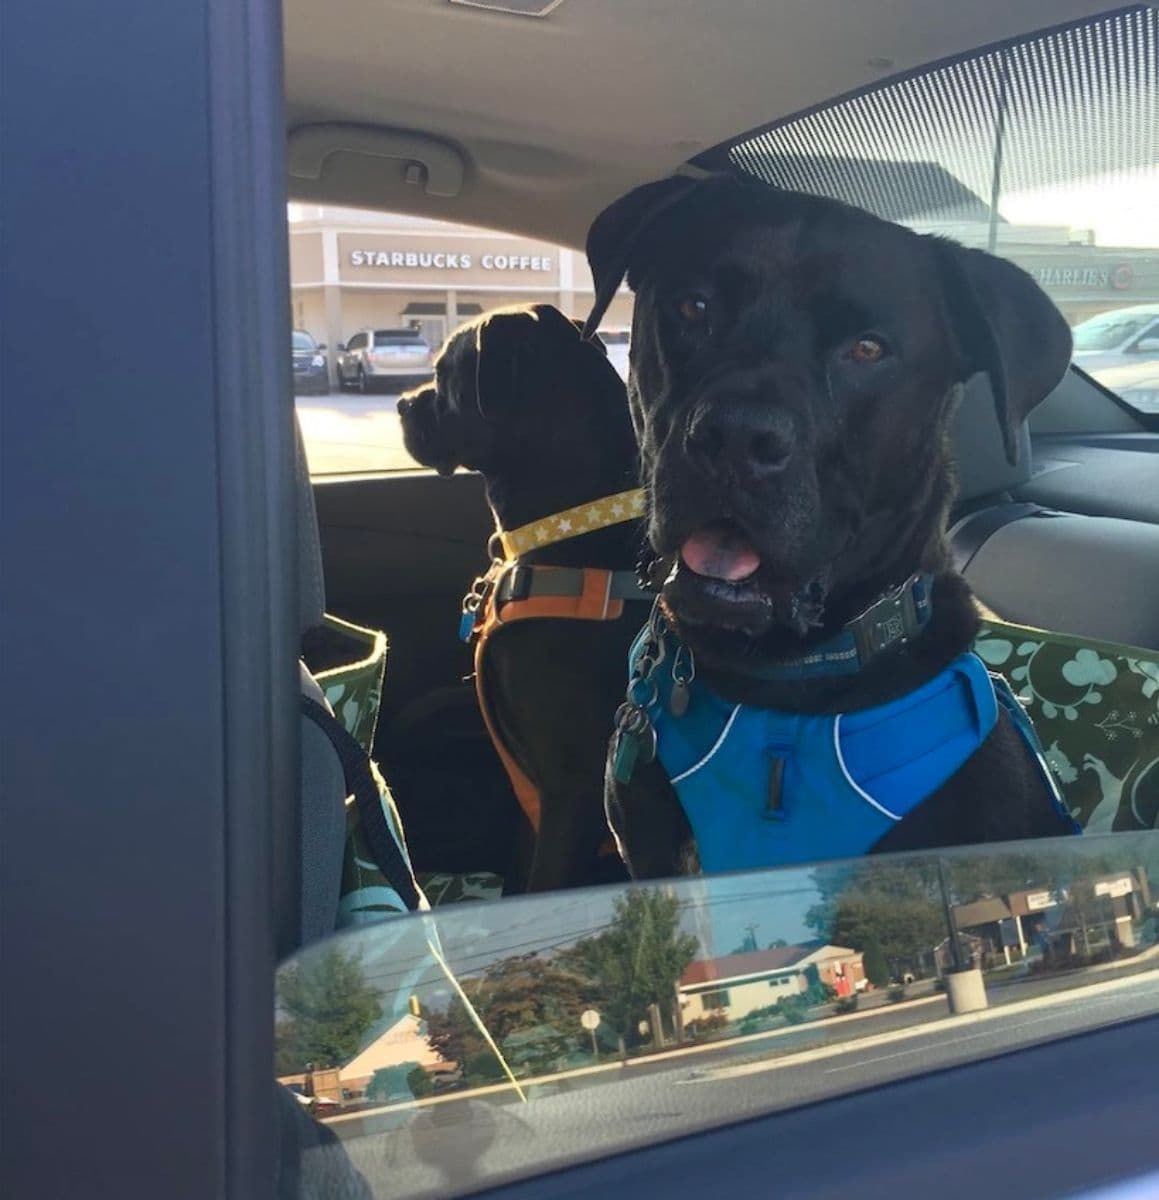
(806, 689)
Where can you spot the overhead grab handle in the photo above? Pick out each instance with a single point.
(434, 166)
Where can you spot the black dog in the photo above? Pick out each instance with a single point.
(543, 416)
(795, 362)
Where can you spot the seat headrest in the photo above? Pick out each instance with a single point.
(311, 588)
(976, 445)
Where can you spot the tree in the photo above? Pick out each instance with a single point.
(637, 960)
(876, 967)
(326, 1007)
(512, 997)
(896, 908)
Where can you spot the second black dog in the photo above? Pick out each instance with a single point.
(543, 416)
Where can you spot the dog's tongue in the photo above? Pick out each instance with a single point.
(720, 552)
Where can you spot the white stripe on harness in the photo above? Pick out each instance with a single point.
(849, 778)
(715, 747)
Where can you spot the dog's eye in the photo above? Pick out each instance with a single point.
(693, 308)
(868, 349)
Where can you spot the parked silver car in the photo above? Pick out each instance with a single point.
(384, 360)
(1118, 338)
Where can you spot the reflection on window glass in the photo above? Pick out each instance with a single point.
(490, 1041)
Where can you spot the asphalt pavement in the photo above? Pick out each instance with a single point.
(347, 431)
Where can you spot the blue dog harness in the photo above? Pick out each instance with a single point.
(765, 788)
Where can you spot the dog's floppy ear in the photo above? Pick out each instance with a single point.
(616, 231)
(502, 341)
(1008, 327)
(568, 327)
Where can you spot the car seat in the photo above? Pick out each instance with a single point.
(351, 861)
(321, 822)
(1093, 577)
(1073, 597)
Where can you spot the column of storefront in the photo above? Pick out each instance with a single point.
(332, 300)
(566, 282)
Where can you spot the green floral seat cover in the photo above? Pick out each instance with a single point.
(354, 692)
(1095, 707)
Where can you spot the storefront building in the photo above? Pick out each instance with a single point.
(353, 270)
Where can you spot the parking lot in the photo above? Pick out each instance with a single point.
(351, 432)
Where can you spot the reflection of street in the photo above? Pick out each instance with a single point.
(351, 432)
(646, 1103)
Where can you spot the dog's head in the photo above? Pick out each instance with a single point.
(508, 388)
(794, 366)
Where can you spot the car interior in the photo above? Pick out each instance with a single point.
(1080, 503)
(526, 116)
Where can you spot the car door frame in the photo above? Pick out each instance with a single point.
(148, 769)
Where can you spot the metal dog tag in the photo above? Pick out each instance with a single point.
(633, 742)
(683, 673)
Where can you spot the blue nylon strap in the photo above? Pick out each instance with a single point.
(887, 624)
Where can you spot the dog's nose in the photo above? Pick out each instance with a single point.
(753, 439)
(403, 404)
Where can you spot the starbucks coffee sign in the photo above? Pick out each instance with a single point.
(449, 260)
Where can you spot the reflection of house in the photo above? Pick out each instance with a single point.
(404, 1042)
(1098, 912)
(739, 984)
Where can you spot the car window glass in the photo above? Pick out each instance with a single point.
(1046, 152)
(302, 341)
(485, 1042)
(413, 282)
(1101, 333)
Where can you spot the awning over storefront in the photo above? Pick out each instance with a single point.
(438, 308)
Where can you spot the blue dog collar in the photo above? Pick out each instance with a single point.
(886, 625)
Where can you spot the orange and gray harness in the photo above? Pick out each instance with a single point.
(512, 591)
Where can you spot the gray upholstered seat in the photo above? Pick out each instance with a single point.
(1095, 577)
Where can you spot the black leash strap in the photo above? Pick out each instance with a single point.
(360, 783)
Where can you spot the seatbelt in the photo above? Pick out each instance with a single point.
(967, 536)
(360, 783)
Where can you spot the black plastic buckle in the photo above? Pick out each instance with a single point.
(518, 582)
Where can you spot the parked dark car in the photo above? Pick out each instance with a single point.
(310, 374)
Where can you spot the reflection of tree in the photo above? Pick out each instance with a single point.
(513, 997)
(531, 1003)
(328, 1006)
(637, 960)
(891, 912)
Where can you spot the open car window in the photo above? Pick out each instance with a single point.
(412, 283)
(487, 1042)
(1045, 152)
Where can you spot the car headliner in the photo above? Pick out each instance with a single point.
(555, 117)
